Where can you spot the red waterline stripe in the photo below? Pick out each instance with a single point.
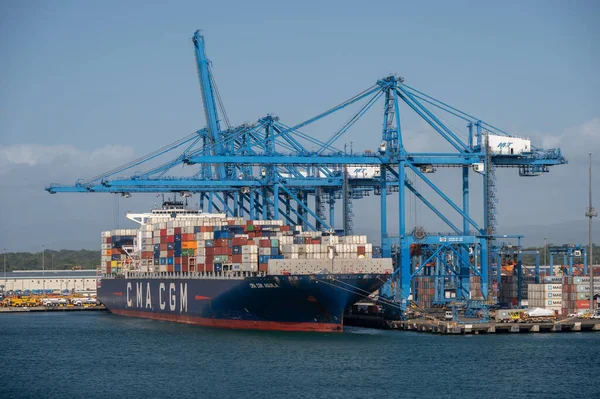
(201, 298)
(235, 324)
(118, 293)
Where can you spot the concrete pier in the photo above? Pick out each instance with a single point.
(491, 327)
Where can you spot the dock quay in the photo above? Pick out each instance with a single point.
(492, 327)
(14, 309)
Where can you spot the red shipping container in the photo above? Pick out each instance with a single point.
(582, 304)
(163, 240)
(184, 267)
(210, 260)
(238, 241)
(263, 267)
(251, 243)
(177, 260)
(170, 238)
(264, 243)
(147, 254)
(316, 241)
(236, 258)
(231, 222)
(361, 250)
(229, 251)
(251, 234)
(207, 267)
(206, 229)
(177, 230)
(164, 247)
(221, 242)
(248, 222)
(170, 253)
(163, 232)
(188, 237)
(209, 251)
(285, 228)
(170, 268)
(109, 240)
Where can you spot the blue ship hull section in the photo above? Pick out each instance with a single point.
(302, 303)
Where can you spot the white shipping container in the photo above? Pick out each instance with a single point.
(508, 145)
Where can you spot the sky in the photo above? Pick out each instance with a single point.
(85, 87)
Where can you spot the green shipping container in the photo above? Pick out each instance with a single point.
(274, 243)
(250, 227)
(221, 259)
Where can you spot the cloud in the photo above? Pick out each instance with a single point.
(30, 156)
(575, 142)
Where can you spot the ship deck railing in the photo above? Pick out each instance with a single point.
(234, 275)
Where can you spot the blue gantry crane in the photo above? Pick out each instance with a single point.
(265, 169)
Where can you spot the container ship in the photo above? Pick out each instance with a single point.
(207, 269)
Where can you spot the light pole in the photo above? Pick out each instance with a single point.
(43, 272)
(5, 280)
(591, 212)
(545, 252)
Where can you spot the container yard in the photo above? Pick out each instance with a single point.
(270, 197)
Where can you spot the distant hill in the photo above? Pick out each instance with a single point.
(64, 259)
(574, 232)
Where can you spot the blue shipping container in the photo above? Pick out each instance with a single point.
(156, 247)
(218, 267)
(177, 237)
(177, 252)
(263, 259)
(170, 246)
(177, 268)
(219, 234)
(196, 229)
(163, 261)
(169, 261)
(209, 243)
(236, 250)
(274, 251)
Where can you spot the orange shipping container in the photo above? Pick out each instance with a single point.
(188, 237)
(189, 245)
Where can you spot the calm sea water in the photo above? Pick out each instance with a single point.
(98, 355)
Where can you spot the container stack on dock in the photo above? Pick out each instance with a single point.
(546, 296)
(424, 291)
(215, 243)
(564, 295)
(509, 289)
(576, 293)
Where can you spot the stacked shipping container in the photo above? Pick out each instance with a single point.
(576, 293)
(564, 295)
(113, 244)
(217, 243)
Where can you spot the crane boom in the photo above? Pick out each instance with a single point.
(208, 97)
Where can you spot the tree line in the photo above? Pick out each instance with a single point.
(65, 259)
